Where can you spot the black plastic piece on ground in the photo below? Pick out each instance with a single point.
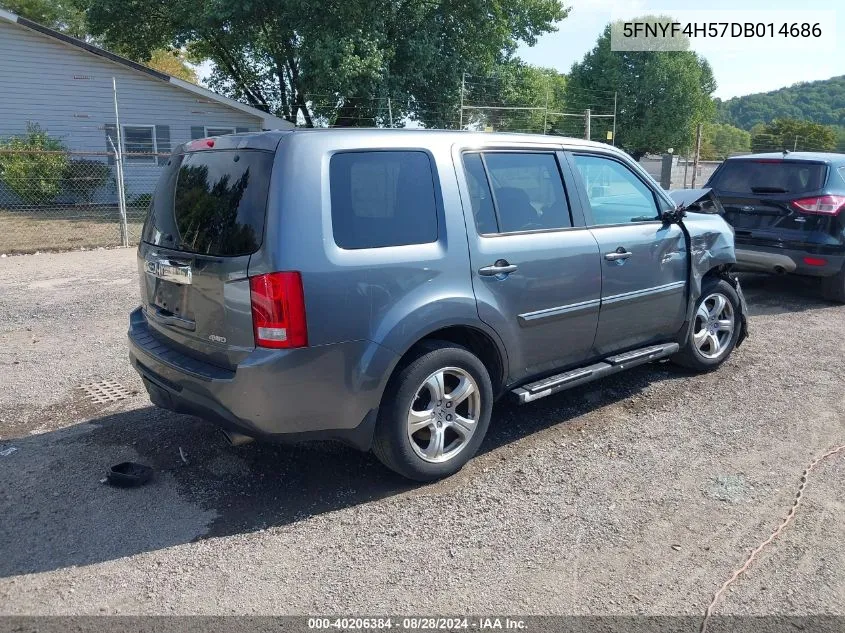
(129, 475)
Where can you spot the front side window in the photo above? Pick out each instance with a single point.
(615, 193)
(139, 143)
(382, 198)
(527, 192)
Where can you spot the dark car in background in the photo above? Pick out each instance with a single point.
(787, 213)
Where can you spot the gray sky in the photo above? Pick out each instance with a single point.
(757, 69)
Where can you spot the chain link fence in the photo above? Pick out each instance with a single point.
(63, 200)
(60, 192)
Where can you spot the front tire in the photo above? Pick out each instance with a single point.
(434, 413)
(717, 322)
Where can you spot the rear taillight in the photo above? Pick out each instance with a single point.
(278, 310)
(822, 205)
(815, 261)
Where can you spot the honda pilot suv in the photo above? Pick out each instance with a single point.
(385, 287)
(787, 213)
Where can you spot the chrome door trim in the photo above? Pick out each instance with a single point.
(647, 292)
(549, 314)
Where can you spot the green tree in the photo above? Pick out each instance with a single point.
(661, 95)
(33, 165)
(172, 62)
(333, 62)
(840, 139)
(534, 93)
(819, 101)
(67, 16)
(792, 134)
(720, 140)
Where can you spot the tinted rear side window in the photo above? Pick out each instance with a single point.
(753, 176)
(211, 203)
(382, 198)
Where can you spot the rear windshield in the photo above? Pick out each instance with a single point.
(753, 176)
(211, 203)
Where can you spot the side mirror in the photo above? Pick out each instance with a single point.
(673, 216)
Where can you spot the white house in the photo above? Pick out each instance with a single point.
(66, 86)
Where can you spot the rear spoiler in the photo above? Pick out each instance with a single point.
(267, 141)
(697, 200)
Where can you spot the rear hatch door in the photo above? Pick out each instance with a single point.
(757, 196)
(206, 219)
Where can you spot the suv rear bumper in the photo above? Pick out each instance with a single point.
(780, 260)
(285, 395)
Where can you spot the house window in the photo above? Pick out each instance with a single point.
(219, 131)
(139, 143)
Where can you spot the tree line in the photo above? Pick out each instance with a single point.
(807, 115)
(324, 62)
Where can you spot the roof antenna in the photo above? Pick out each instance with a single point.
(785, 151)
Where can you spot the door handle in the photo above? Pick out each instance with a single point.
(501, 267)
(618, 255)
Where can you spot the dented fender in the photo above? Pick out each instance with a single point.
(743, 312)
(710, 244)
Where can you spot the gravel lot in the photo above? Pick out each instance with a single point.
(639, 494)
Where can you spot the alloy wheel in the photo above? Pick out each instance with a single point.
(444, 414)
(714, 325)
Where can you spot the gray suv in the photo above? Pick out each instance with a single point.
(385, 287)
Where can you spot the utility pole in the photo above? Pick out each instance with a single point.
(795, 145)
(613, 140)
(463, 87)
(390, 112)
(587, 124)
(697, 153)
(118, 158)
(546, 111)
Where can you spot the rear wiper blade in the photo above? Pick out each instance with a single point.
(769, 190)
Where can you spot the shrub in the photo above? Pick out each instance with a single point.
(83, 177)
(32, 165)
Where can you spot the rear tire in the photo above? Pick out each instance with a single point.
(434, 413)
(716, 326)
(833, 288)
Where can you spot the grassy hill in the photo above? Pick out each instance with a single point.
(818, 101)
